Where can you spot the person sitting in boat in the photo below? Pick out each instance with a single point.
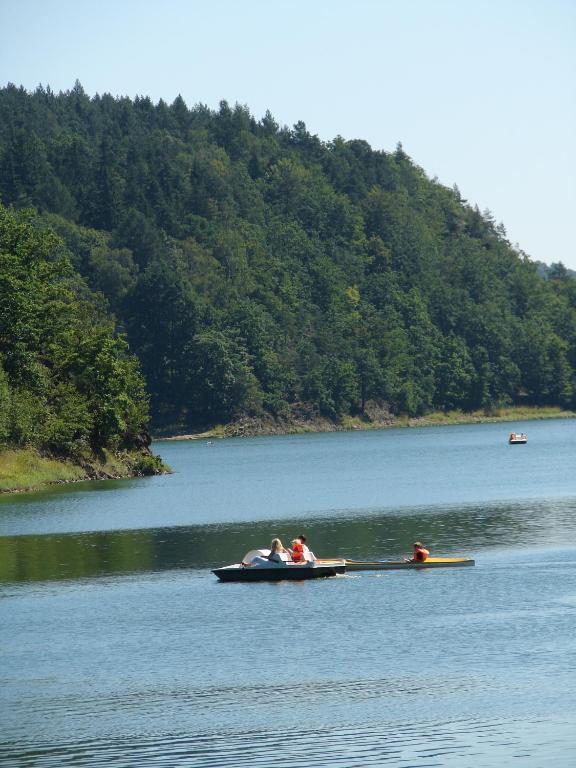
(278, 553)
(420, 553)
(300, 552)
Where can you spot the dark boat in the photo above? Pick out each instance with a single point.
(286, 571)
(256, 567)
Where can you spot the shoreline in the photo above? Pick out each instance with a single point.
(25, 470)
(267, 426)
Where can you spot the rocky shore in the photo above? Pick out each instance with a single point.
(302, 420)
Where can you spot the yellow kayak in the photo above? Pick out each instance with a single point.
(401, 565)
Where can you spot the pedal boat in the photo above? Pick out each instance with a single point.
(406, 565)
(255, 567)
(516, 439)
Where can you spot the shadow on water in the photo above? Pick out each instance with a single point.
(463, 529)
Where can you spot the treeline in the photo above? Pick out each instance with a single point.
(256, 269)
(68, 386)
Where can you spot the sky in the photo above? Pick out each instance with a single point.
(481, 94)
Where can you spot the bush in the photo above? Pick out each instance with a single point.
(147, 464)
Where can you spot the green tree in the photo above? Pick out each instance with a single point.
(224, 381)
(67, 382)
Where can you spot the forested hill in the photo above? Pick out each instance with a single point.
(257, 269)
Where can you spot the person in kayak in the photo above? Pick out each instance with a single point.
(420, 553)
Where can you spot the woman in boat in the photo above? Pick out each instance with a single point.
(420, 553)
(276, 552)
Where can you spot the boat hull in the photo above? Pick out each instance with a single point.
(287, 573)
(403, 565)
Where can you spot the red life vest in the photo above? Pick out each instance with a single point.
(421, 554)
(297, 552)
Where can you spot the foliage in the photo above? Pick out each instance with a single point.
(254, 268)
(67, 384)
(147, 464)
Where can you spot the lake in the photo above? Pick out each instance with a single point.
(120, 648)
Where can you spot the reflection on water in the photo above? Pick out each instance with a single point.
(452, 530)
(310, 476)
(120, 648)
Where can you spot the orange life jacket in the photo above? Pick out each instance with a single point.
(421, 554)
(297, 552)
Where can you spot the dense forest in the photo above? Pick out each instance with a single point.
(68, 386)
(256, 269)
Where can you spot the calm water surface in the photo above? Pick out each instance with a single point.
(120, 648)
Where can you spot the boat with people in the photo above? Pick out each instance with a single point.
(256, 566)
(517, 438)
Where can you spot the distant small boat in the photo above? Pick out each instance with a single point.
(517, 439)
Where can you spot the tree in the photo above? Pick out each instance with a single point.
(67, 382)
(163, 322)
(224, 382)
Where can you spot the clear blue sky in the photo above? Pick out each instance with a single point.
(481, 94)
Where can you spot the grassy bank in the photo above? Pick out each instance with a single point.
(26, 469)
(441, 418)
(381, 420)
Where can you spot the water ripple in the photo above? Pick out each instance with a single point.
(463, 742)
